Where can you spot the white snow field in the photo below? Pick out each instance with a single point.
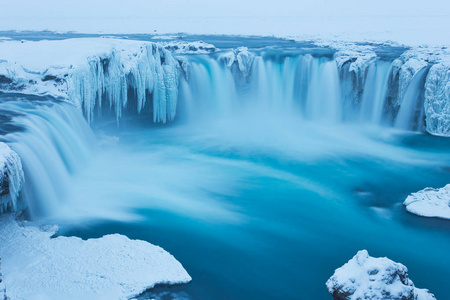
(430, 202)
(365, 277)
(408, 22)
(37, 266)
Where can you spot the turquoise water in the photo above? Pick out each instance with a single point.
(265, 208)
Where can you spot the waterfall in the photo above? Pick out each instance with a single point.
(411, 113)
(375, 92)
(53, 141)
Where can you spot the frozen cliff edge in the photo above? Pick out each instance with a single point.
(37, 266)
(95, 74)
(11, 178)
(430, 202)
(366, 277)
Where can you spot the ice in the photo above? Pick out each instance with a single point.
(11, 178)
(37, 266)
(183, 47)
(437, 99)
(430, 202)
(365, 277)
(85, 70)
(152, 70)
(240, 57)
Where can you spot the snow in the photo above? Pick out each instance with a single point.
(430, 202)
(37, 266)
(366, 277)
(406, 22)
(183, 47)
(11, 177)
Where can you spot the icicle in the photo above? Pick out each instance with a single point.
(12, 177)
(153, 71)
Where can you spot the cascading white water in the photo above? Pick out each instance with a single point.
(303, 85)
(410, 115)
(289, 84)
(53, 140)
(375, 91)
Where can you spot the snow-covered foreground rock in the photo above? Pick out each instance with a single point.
(36, 266)
(366, 277)
(430, 202)
(11, 178)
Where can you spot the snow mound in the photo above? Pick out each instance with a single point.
(430, 202)
(36, 266)
(11, 178)
(366, 277)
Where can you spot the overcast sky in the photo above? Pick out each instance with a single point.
(211, 8)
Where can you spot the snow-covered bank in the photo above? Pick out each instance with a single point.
(365, 277)
(2, 285)
(36, 266)
(11, 178)
(402, 21)
(430, 202)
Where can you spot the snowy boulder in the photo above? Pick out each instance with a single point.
(365, 277)
(11, 178)
(430, 202)
(37, 266)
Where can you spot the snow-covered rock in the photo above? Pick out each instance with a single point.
(241, 58)
(11, 178)
(365, 277)
(37, 266)
(430, 202)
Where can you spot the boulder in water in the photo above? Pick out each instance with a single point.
(365, 277)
